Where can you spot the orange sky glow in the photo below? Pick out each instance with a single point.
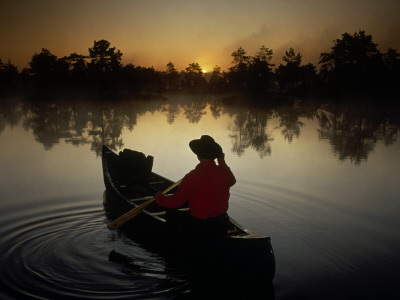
(153, 32)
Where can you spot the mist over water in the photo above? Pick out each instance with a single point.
(320, 179)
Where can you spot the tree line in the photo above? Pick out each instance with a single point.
(354, 65)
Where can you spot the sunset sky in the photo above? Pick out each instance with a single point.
(154, 32)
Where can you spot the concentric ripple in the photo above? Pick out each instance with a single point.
(61, 251)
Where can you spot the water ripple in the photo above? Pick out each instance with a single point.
(61, 251)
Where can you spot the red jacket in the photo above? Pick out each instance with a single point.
(206, 188)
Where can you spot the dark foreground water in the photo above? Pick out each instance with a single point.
(321, 179)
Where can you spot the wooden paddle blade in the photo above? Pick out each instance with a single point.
(135, 211)
(129, 215)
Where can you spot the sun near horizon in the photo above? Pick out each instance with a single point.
(152, 33)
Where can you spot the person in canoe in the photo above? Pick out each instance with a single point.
(206, 188)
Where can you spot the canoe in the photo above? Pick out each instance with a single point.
(130, 181)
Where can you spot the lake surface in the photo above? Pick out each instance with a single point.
(321, 179)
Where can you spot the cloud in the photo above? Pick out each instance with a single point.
(309, 43)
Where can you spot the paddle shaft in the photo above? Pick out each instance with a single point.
(135, 211)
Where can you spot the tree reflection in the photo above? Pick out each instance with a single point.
(352, 130)
(216, 108)
(194, 111)
(172, 111)
(290, 124)
(48, 123)
(109, 124)
(249, 130)
(240, 136)
(10, 114)
(97, 125)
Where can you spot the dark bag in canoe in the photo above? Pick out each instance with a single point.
(133, 166)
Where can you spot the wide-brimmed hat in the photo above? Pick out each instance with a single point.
(206, 147)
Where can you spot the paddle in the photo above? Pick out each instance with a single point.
(135, 211)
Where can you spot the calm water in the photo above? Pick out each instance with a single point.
(322, 180)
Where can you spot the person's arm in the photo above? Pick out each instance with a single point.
(222, 163)
(221, 160)
(179, 198)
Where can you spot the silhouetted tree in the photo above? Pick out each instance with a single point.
(171, 78)
(217, 81)
(354, 64)
(43, 64)
(9, 77)
(193, 78)
(149, 80)
(105, 64)
(104, 58)
(78, 67)
(140, 79)
(129, 78)
(260, 75)
(237, 76)
(289, 75)
(293, 76)
(391, 78)
(240, 59)
(251, 74)
(47, 69)
(309, 78)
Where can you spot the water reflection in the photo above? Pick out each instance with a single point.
(250, 130)
(171, 111)
(194, 111)
(352, 130)
(291, 186)
(289, 123)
